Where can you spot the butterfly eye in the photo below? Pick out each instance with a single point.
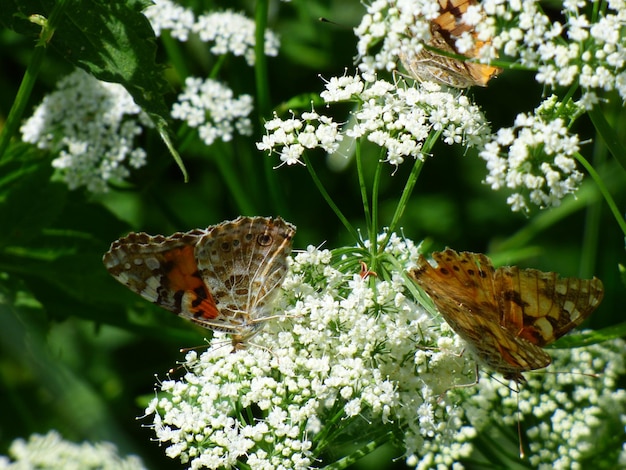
(264, 239)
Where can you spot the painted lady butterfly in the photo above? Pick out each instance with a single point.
(223, 277)
(428, 65)
(505, 315)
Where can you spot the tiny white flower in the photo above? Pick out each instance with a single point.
(233, 33)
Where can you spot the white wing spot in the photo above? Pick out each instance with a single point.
(152, 263)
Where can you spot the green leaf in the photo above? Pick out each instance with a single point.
(112, 40)
(588, 338)
(28, 200)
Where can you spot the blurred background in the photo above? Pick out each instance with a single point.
(79, 352)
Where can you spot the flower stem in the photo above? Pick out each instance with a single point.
(30, 76)
(604, 191)
(609, 136)
(408, 187)
(329, 200)
(263, 100)
(348, 460)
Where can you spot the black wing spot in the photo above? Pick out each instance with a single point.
(515, 297)
(264, 239)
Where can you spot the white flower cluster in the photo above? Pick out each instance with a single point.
(291, 137)
(534, 159)
(167, 15)
(92, 126)
(571, 417)
(349, 351)
(231, 32)
(53, 453)
(397, 119)
(592, 54)
(210, 106)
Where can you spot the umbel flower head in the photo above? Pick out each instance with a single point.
(92, 126)
(355, 358)
(345, 354)
(394, 117)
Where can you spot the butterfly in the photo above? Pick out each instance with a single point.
(506, 315)
(224, 277)
(428, 65)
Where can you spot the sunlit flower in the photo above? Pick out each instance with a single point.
(229, 32)
(167, 15)
(396, 118)
(233, 33)
(534, 159)
(345, 353)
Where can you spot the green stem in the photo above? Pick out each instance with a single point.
(223, 159)
(373, 229)
(371, 213)
(263, 99)
(592, 223)
(174, 56)
(329, 201)
(611, 139)
(604, 191)
(30, 76)
(371, 446)
(409, 186)
(362, 185)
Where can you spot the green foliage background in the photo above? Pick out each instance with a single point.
(77, 349)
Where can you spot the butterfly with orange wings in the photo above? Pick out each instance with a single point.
(430, 65)
(506, 315)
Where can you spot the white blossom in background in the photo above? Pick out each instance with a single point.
(534, 159)
(344, 354)
(52, 452)
(233, 32)
(92, 126)
(575, 49)
(396, 118)
(168, 15)
(211, 107)
(228, 31)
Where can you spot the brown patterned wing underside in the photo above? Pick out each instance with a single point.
(541, 307)
(244, 264)
(505, 314)
(162, 270)
(222, 278)
(428, 65)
